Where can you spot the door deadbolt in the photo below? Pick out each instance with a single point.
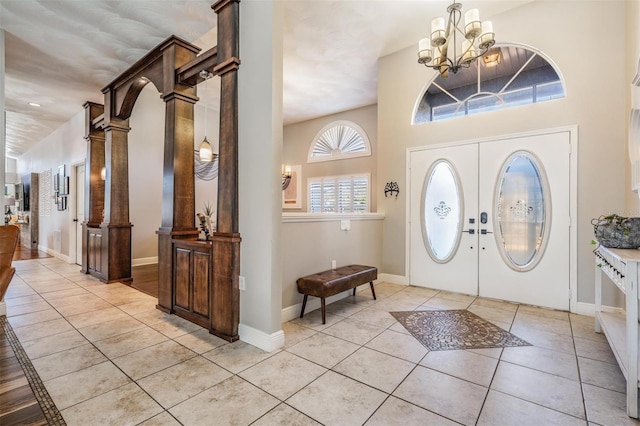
(483, 217)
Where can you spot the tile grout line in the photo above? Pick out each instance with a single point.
(49, 409)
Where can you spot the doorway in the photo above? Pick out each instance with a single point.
(492, 219)
(79, 213)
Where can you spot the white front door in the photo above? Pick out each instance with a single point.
(515, 198)
(79, 217)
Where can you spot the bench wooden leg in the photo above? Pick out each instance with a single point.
(304, 303)
(372, 290)
(354, 291)
(324, 317)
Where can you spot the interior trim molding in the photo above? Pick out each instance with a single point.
(260, 339)
(55, 254)
(589, 309)
(394, 279)
(329, 217)
(144, 261)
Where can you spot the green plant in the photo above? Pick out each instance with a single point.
(208, 209)
(620, 222)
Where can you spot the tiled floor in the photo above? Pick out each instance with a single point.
(107, 356)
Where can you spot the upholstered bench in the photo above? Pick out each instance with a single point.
(328, 283)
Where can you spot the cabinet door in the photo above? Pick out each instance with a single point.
(182, 278)
(201, 283)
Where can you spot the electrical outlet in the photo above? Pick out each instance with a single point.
(242, 285)
(333, 264)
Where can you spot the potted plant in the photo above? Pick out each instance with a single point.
(617, 231)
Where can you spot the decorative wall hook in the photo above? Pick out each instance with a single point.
(391, 187)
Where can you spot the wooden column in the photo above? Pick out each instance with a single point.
(93, 185)
(178, 187)
(116, 227)
(226, 241)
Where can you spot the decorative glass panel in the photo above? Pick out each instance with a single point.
(441, 211)
(521, 211)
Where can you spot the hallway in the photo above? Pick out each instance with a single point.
(107, 356)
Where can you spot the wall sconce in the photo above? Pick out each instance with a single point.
(103, 173)
(286, 177)
(391, 187)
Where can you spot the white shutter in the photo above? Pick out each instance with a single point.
(344, 195)
(315, 195)
(339, 194)
(360, 194)
(329, 195)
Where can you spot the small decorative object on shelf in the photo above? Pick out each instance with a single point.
(203, 225)
(391, 187)
(616, 231)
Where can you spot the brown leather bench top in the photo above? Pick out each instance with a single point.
(328, 283)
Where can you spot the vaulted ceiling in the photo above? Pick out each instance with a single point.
(60, 53)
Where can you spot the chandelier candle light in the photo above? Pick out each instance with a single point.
(441, 52)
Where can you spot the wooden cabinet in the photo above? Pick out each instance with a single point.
(94, 251)
(621, 330)
(192, 280)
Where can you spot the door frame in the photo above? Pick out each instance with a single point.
(573, 197)
(72, 206)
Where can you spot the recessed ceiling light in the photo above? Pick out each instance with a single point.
(34, 104)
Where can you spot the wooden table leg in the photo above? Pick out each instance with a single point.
(304, 303)
(372, 290)
(324, 319)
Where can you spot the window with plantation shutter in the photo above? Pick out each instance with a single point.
(339, 194)
(338, 140)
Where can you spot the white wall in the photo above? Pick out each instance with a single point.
(298, 138)
(595, 102)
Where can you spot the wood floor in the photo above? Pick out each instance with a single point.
(23, 253)
(18, 404)
(145, 279)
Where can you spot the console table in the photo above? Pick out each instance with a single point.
(621, 330)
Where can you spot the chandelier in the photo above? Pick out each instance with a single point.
(442, 51)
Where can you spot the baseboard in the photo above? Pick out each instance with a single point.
(144, 261)
(393, 279)
(3, 308)
(56, 254)
(260, 339)
(589, 309)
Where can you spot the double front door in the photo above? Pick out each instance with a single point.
(493, 219)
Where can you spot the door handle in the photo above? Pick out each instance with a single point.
(75, 220)
(470, 231)
(485, 232)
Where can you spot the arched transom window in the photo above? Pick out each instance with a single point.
(506, 76)
(339, 140)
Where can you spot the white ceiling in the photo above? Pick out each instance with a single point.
(60, 53)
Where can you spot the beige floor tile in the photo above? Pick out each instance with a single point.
(457, 297)
(375, 369)
(150, 360)
(478, 369)
(586, 330)
(348, 402)
(502, 409)
(552, 362)
(365, 300)
(62, 294)
(173, 326)
(600, 351)
(200, 341)
(68, 361)
(127, 405)
(354, 331)
(51, 344)
(91, 318)
(496, 304)
(408, 298)
(344, 309)
(541, 388)
(283, 415)
(313, 320)
(490, 352)
(395, 305)
(232, 402)
(182, 381)
(34, 318)
(130, 341)
(442, 394)
(544, 339)
(237, 356)
(397, 412)
(27, 308)
(543, 312)
(153, 316)
(104, 330)
(80, 308)
(139, 306)
(375, 317)
(605, 407)
(324, 349)
(85, 384)
(399, 345)
(492, 314)
(16, 290)
(55, 285)
(391, 287)
(602, 374)
(550, 325)
(420, 291)
(43, 329)
(23, 300)
(438, 302)
(283, 374)
(399, 328)
(581, 319)
(75, 298)
(162, 419)
(294, 334)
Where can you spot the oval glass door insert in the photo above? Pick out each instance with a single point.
(442, 209)
(523, 211)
